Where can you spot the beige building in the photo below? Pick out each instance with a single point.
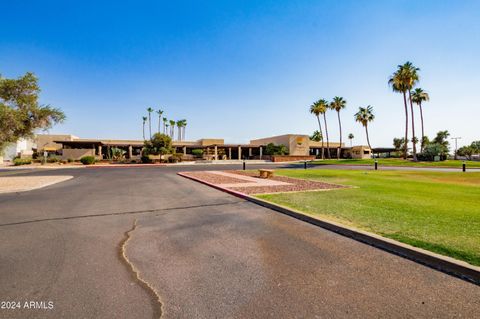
(299, 147)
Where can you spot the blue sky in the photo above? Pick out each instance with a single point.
(245, 69)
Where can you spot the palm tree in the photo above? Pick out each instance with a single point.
(419, 96)
(144, 121)
(172, 128)
(351, 137)
(324, 106)
(184, 124)
(403, 80)
(338, 104)
(364, 116)
(150, 110)
(159, 112)
(397, 82)
(412, 79)
(179, 128)
(316, 109)
(316, 136)
(164, 125)
(166, 128)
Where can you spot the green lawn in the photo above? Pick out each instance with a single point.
(433, 210)
(398, 162)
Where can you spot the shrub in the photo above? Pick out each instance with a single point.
(175, 158)
(88, 160)
(198, 152)
(52, 159)
(431, 151)
(117, 154)
(70, 160)
(145, 159)
(22, 161)
(272, 149)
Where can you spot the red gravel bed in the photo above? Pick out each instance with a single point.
(214, 178)
(296, 185)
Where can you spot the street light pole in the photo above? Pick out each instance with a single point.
(456, 139)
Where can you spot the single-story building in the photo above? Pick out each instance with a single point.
(299, 146)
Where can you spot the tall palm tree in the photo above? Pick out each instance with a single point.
(364, 116)
(172, 128)
(166, 128)
(144, 121)
(338, 104)
(164, 125)
(397, 82)
(351, 137)
(179, 129)
(419, 96)
(150, 110)
(324, 107)
(403, 80)
(411, 80)
(184, 124)
(316, 109)
(159, 112)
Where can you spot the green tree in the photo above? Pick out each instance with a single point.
(144, 118)
(316, 136)
(364, 116)
(150, 110)
(466, 151)
(159, 144)
(418, 97)
(399, 145)
(272, 149)
(338, 104)
(20, 112)
(442, 140)
(470, 150)
(351, 137)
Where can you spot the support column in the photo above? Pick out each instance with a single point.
(216, 153)
(249, 152)
(184, 150)
(100, 151)
(239, 152)
(229, 153)
(130, 151)
(207, 153)
(261, 152)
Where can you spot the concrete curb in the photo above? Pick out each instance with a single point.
(442, 263)
(124, 165)
(400, 166)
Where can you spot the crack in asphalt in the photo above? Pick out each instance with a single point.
(147, 211)
(156, 300)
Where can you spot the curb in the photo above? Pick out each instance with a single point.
(124, 165)
(439, 262)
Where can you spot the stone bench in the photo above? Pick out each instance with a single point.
(266, 173)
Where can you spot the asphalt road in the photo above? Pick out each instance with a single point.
(205, 253)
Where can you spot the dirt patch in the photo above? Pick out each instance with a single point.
(10, 184)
